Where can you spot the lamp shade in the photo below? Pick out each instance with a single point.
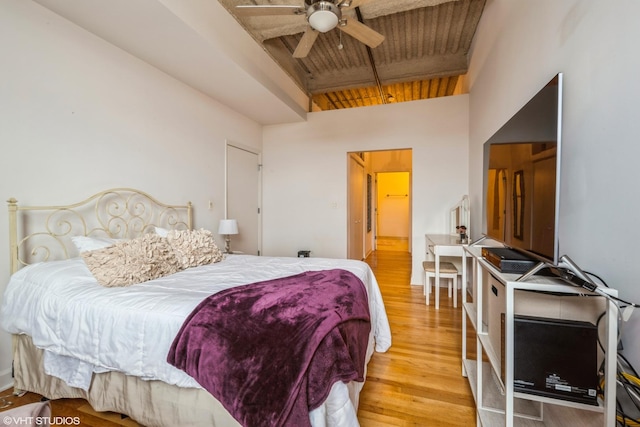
(228, 226)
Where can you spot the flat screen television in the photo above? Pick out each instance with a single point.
(522, 177)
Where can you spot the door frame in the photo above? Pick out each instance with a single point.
(369, 238)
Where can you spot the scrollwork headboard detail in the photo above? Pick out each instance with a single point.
(43, 233)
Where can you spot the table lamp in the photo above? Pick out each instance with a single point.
(226, 228)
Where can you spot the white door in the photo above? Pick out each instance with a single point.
(355, 214)
(243, 197)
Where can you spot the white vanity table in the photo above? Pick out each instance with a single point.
(446, 245)
(450, 245)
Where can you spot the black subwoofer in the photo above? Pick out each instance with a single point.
(556, 358)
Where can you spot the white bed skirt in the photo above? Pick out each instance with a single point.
(155, 403)
(150, 403)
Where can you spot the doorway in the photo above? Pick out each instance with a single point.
(363, 219)
(392, 207)
(243, 197)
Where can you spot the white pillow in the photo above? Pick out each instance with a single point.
(86, 243)
(162, 232)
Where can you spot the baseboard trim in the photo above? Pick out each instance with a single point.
(6, 380)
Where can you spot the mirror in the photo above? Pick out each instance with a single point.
(459, 218)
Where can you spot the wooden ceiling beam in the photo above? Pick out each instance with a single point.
(445, 65)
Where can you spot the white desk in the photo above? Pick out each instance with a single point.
(445, 245)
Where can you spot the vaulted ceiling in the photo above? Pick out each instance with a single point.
(424, 53)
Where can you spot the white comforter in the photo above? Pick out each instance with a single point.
(85, 328)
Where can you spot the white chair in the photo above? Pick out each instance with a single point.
(447, 271)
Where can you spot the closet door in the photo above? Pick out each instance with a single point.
(243, 197)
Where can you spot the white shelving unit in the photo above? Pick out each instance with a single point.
(496, 401)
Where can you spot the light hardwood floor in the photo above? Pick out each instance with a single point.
(384, 243)
(417, 382)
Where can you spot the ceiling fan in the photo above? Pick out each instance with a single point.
(322, 16)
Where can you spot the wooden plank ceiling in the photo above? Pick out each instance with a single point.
(424, 53)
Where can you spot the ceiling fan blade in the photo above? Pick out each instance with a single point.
(306, 43)
(361, 32)
(354, 3)
(268, 10)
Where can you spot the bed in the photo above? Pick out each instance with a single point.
(73, 338)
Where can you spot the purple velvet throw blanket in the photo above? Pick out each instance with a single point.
(270, 351)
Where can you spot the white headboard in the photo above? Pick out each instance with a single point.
(43, 233)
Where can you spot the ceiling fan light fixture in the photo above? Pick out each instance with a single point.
(323, 16)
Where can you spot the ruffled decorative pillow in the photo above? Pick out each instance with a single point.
(194, 247)
(132, 261)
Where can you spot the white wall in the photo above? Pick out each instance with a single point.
(78, 115)
(519, 46)
(305, 172)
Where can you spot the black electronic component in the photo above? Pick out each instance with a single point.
(556, 358)
(508, 260)
(570, 277)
